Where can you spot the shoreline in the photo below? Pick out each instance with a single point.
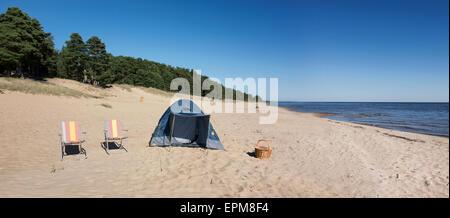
(327, 115)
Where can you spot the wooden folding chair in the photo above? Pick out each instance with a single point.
(69, 135)
(114, 133)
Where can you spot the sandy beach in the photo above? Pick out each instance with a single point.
(312, 156)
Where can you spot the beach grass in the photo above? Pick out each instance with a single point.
(156, 91)
(149, 90)
(39, 87)
(125, 87)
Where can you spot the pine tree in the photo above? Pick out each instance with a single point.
(73, 59)
(97, 59)
(25, 49)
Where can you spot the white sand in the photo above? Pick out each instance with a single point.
(312, 156)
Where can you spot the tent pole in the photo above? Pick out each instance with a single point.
(171, 129)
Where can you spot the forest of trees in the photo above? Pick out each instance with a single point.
(26, 51)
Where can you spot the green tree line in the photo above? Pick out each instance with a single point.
(27, 51)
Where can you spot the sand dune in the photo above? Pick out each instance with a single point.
(312, 156)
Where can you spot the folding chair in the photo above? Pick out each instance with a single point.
(114, 133)
(69, 135)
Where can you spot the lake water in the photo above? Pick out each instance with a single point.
(426, 118)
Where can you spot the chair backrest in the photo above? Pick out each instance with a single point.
(113, 128)
(70, 131)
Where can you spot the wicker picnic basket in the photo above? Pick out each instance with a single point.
(263, 152)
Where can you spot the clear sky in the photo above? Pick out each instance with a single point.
(319, 50)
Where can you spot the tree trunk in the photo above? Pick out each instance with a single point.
(19, 69)
(85, 78)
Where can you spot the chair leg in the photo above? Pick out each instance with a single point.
(121, 145)
(83, 151)
(107, 146)
(62, 151)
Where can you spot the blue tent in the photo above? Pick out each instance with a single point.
(185, 124)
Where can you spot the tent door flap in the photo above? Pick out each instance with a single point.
(189, 130)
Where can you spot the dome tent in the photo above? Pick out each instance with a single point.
(185, 124)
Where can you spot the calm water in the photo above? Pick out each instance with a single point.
(427, 118)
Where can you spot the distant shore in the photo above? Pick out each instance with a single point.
(423, 118)
(326, 115)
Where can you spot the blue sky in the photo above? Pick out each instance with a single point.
(319, 50)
